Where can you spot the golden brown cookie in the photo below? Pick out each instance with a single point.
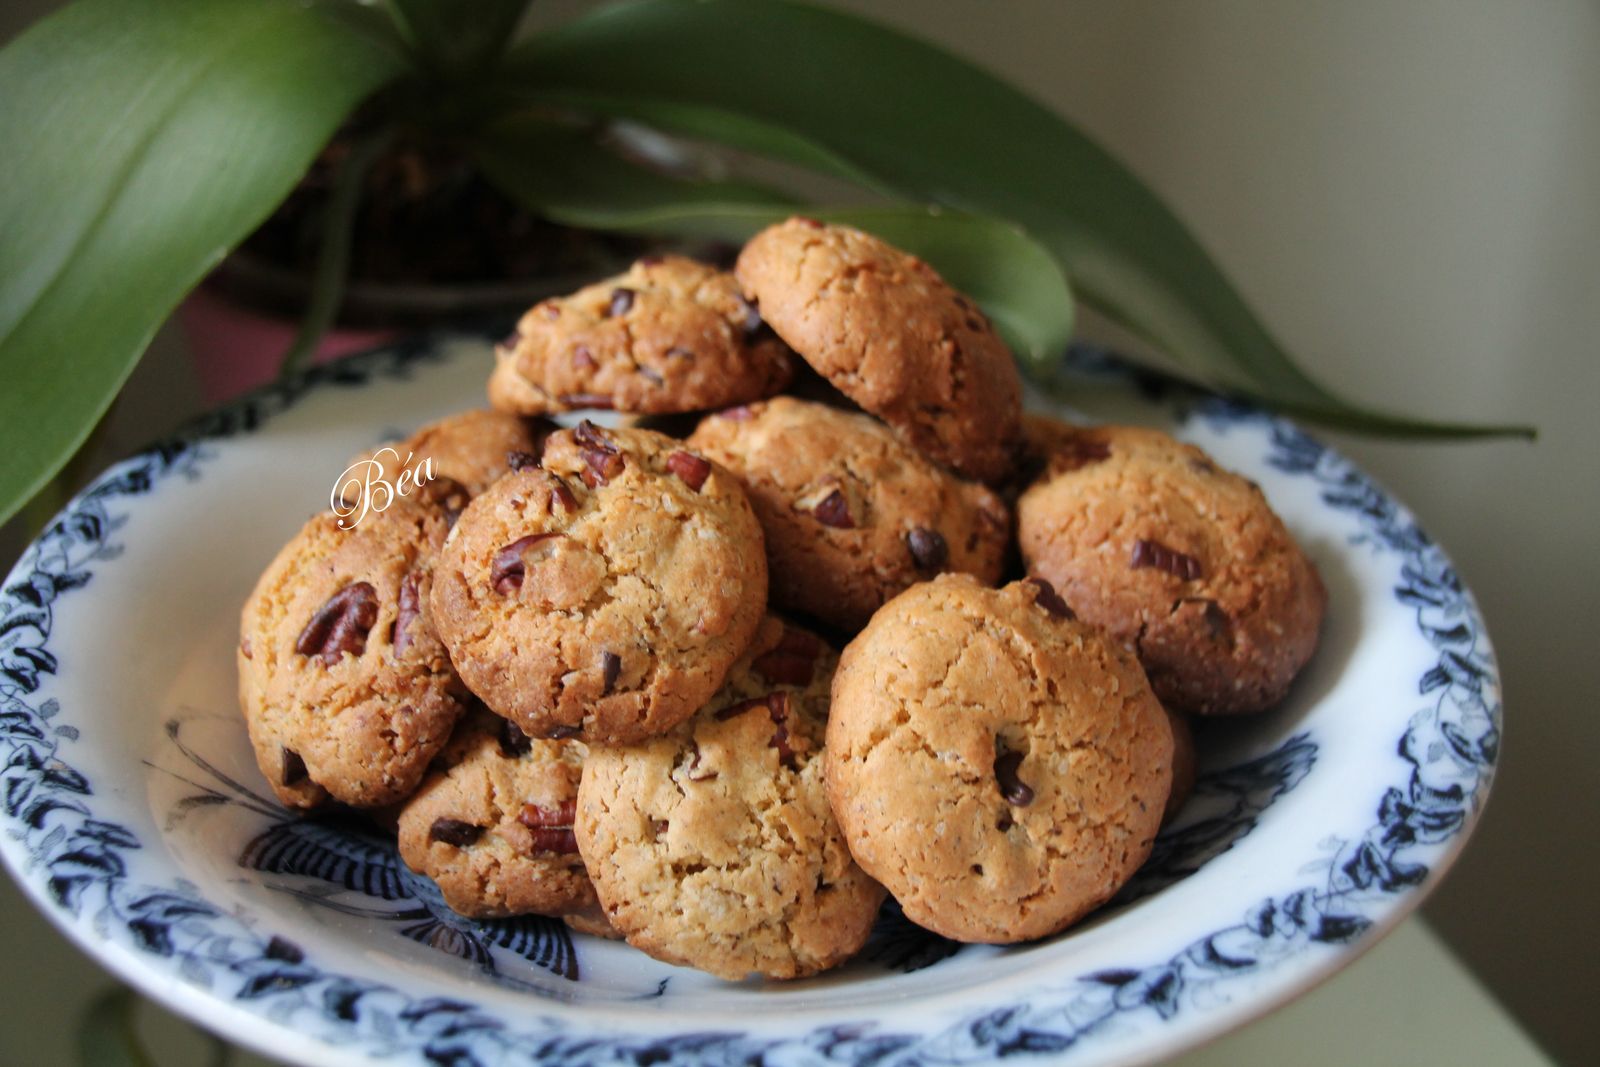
(475, 447)
(998, 765)
(492, 823)
(668, 335)
(886, 330)
(1182, 560)
(605, 594)
(346, 690)
(592, 921)
(851, 514)
(714, 846)
(1185, 765)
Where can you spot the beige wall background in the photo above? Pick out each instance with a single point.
(1407, 194)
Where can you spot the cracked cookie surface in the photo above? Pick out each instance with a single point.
(492, 823)
(346, 690)
(1179, 558)
(852, 514)
(605, 594)
(889, 333)
(999, 766)
(714, 846)
(668, 335)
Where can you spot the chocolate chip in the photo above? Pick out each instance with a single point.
(610, 668)
(1201, 465)
(561, 496)
(833, 510)
(454, 832)
(660, 826)
(1149, 553)
(651, 375)
(621, 301)
(928, 549)
(521, 461)
(808, 221)
(551, 827)
(513, 742)
(791, 661)
(550, 311)
(582, 358)
(692, 469)
(1048, 599)
(507, 569)
(410, 606)
(1012, 788)
(512, 339)
(740, 413)
(599, 401)
(562, 732)
(679, 352)
(340, 625)
(246, 649)
(294, 768)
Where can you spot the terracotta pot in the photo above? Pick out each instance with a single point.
(242, 319)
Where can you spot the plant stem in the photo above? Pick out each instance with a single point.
(333, 257)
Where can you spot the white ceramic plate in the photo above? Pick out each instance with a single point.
(134, 814)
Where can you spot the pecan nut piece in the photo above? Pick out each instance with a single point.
(692, 469)
(1151, 553)
(341, 625)
(551, 828)
(410, 607)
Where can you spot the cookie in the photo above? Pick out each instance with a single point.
(471, 448)
(605, 594)
(1180, 559)
(346, 689)
(886, 330)
(492, 823)
(592, 921)
(714, 847)
(852, 515)
(998, 765)
(668, 335)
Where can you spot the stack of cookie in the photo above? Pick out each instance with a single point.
(595, 672)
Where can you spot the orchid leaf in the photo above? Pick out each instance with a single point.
(835, 92)
(454, 36)
(565, 176)
(144, 138)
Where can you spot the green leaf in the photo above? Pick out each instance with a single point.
(835, 92)
(565, 173)
(565, 176)
(143, 139)
(455, 36)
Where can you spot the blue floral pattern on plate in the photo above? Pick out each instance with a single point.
(68, 841)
